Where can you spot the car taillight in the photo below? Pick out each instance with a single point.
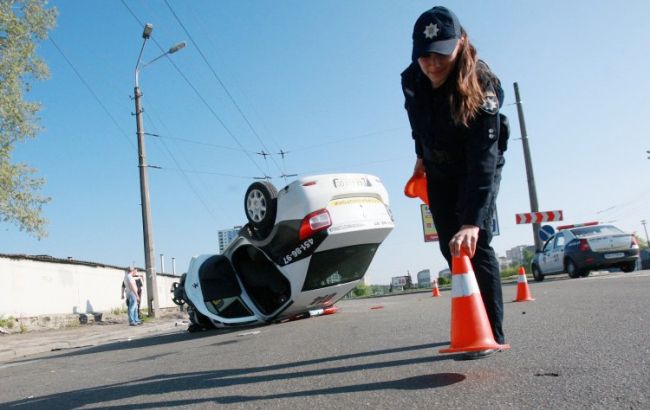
(635, 244)
(584, 245)
(314, 222)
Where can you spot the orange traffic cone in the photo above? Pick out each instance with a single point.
(435, 292)
(523, 292)
(416, 187)
(470, 326)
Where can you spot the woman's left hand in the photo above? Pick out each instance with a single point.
(466, 238)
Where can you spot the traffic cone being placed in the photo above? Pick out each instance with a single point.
(435, 292)
(416, 187)
(470, 326)
(523, 292)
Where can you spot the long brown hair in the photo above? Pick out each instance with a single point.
(467, 95)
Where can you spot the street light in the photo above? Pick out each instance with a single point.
(152, 287)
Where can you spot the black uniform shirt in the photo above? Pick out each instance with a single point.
(466, 156)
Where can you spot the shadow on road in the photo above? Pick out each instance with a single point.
(147, 341)
(187, 383)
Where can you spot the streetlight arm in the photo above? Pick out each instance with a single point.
(171, 50)
(137, 63)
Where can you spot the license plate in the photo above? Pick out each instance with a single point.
(614, 255)
(351, 182)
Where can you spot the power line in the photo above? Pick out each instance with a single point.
(220, 174)
(198, 94)
(189, 183)
(207, 144)
(367, 135)
(205, 60)
(179, 168)
(85, 83)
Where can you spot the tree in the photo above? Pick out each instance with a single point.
(361, 290)
(529, 254)
(23, 23)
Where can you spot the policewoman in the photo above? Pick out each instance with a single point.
(452, 100)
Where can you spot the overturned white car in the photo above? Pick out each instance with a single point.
(304, 248)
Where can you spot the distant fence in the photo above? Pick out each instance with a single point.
(42, 285)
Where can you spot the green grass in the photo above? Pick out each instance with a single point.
(8, 322)
(119, 310)
(144, 318)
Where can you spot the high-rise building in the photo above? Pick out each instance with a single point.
(424, 278)
(516, 254)
(225, 236)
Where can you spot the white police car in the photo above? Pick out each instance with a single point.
(581, 248)
(304, 248)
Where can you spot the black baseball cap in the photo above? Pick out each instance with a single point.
(435, 31)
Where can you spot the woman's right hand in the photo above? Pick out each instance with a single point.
(419, 167)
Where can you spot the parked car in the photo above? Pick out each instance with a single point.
(304, 247)
(579, 249)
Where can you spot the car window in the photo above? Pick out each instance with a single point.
(229, 308)
(596, 230)
(559, 240)
(339, 265)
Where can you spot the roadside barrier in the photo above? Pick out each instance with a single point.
(470, 326)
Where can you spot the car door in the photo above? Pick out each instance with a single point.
(557, 253)
(545, 264)
(217, 292)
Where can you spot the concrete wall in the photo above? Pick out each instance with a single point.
(33, 286)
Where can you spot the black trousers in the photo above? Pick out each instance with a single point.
(443, 203)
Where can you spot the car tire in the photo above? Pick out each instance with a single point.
(260, 206)
(572, 269)
(537, 274)
(584, 273)
(628, 267)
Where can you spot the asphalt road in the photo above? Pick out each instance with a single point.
(584, 343)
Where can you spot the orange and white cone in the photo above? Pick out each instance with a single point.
(435, 292)
(470, 326)
(523, 292)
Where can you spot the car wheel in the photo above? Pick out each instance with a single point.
(537, 274)
(585, 273)
(628, 267)
(260, 205)
(571, 269)
(178, 291)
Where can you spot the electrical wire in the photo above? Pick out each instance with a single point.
(198, 94)
(189, 141)
(216, 76)
(97, 99)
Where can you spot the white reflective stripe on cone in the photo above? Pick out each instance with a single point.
(463, 285)
(522, 279)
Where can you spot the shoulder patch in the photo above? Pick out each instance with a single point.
(490, 103)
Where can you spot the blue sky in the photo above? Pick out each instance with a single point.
(320, 80)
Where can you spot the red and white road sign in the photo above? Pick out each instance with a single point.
(537, 217)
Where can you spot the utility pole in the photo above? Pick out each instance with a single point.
(532, 191)
(149, 259)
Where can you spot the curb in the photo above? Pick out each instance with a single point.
(21, 345)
